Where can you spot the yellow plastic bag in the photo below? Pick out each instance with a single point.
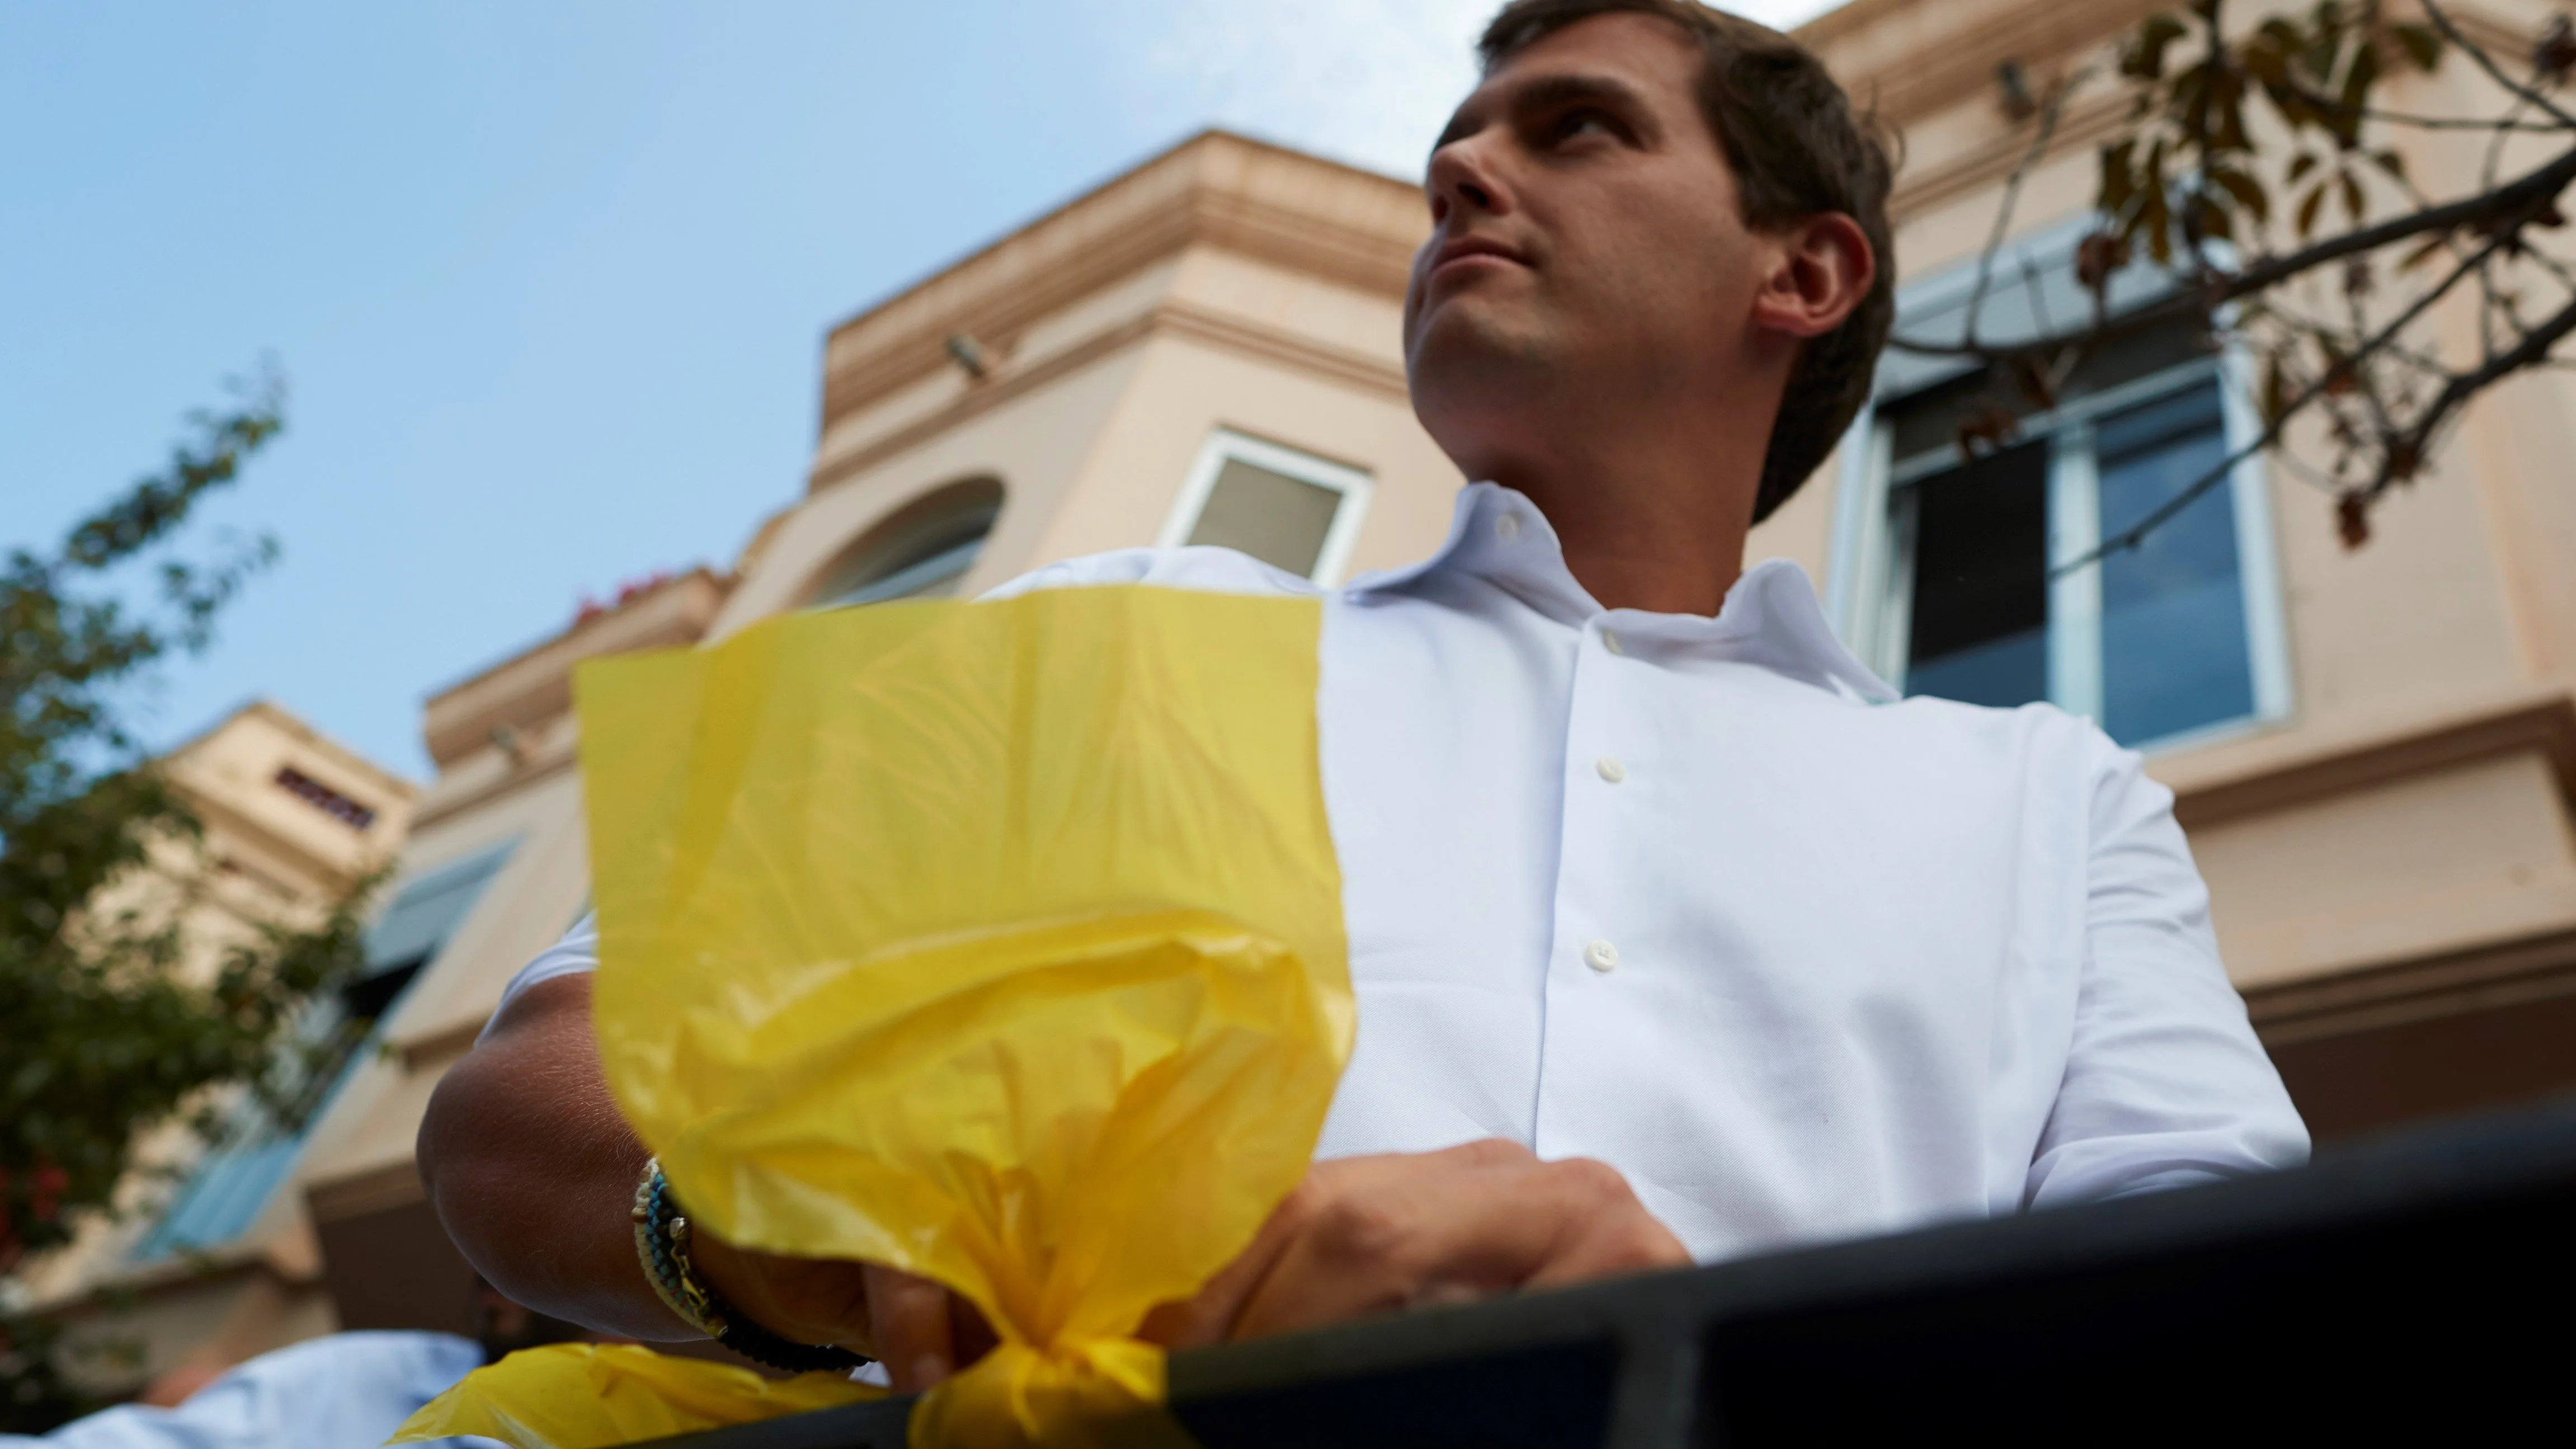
(584, 1396)
(998, 942)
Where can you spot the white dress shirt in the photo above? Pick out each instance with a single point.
(1703, 899)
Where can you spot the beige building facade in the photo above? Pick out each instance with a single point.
(2374, 752)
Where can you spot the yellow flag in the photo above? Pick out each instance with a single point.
(585, 1396)
(1000, 943)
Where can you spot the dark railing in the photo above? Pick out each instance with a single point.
(2420, 1288)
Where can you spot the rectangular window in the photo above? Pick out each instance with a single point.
(2154, 642)
(2174, 651)
(1955, 575)
(325, 799)
(1291, 510)
(1979, 631)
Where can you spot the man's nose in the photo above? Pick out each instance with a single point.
(1462, 175)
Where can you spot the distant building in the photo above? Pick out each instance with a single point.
(223, 1266)
(2374, 752)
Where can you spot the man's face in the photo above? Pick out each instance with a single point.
(1588, 250)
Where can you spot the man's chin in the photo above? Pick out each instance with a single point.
(1465, 338)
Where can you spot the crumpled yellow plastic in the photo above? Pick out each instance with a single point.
(998, 942)
(585, 1396)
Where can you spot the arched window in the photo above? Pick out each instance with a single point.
(922, 552)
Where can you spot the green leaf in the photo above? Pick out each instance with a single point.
(2266, 56)
(2309, 205)
(2227, 102)
(2355, 205)
(2247, 192)
(2119, 181)
(2359, 77)
(2144, 56)
(2301, 165)
(2422, 44)
(2276, 390)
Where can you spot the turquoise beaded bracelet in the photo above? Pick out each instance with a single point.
(662, 1245)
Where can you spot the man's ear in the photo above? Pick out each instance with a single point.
(1821, 270)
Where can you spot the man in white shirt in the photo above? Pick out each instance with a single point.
(1675, 935)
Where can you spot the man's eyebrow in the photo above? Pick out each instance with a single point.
(1545, 92)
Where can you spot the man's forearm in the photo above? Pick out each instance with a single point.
(532, 1170)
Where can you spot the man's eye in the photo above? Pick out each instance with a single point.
(1583, 122)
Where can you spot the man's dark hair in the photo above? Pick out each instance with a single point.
(1799, 150)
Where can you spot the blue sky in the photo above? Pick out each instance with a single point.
(549, 280)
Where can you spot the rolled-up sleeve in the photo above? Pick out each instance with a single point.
(576, 953)
(2165, 1084)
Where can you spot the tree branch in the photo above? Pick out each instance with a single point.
(2451, 32)
(2131, 536)
(2513, 201)
(2048, 118)
(2533, 349)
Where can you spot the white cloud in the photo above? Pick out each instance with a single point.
(1366, 81)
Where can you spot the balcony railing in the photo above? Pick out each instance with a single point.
(2418, 1288)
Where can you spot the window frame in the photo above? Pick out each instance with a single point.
(1871, 589)
(973, 499)
(1225, 445)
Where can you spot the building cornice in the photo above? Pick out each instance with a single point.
(535, 684)
(2477, 978)
(1951, 52)
(2262, 777)
(1348, 226)
(1173, 317)
(400, 790)
(2085, 122)
(544, 767)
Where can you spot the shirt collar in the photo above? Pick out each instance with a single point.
(1770, 617)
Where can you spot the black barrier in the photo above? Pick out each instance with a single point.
(2417, 1287)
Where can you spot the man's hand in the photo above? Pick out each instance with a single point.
(1369, 1235)
(919, 1330)
(1360, 1236)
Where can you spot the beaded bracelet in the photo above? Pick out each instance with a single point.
(662, 1244)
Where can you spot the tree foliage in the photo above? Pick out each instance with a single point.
(105, 1031)
(2257, 168)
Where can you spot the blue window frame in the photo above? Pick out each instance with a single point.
(232, 1184)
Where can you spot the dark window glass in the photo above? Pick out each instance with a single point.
(2174, 653)
(1980, 631)
(325, 799)
(1930, 419)
(1275, 518)
(925, 562)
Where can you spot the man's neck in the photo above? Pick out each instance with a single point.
(1661, 535)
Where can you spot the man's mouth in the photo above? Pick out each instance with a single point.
(1471, 253)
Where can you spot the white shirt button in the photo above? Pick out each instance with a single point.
(1610, 641)
(1601, 956)
(1508, 527)
(1610, 768)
